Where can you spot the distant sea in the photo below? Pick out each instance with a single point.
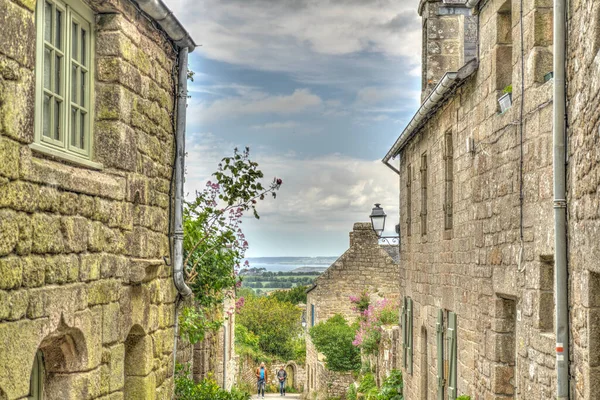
(285, 264)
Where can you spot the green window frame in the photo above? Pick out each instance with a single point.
(407, 334)
(64, 100)
(36, 383)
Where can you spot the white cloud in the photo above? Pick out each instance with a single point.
(277, 125)
(312, 39)
(318, 195)
(251, 101)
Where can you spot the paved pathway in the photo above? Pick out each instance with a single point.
(288, 396)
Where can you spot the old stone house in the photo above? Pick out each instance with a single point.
(366, 265)
(476, 204)
(88, 98)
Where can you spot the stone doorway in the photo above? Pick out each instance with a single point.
(291, 376)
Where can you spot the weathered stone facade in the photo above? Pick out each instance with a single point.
(583, 132)
(478, 239)
(82, 276)
(366, 265)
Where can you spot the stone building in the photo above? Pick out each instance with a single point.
(366, 265)
(87, 129)
(476, 204)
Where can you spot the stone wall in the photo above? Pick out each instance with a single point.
(583, 77)
(82, 276)
(366, 265)
(390, 353)
(498, 283)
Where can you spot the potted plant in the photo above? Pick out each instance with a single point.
(506, 100)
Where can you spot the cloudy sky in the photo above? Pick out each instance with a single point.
(319, 90)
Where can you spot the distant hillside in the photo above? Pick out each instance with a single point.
(294, 260)
(305, 270)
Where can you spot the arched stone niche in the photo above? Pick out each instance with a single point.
(64, 360)
(140, 381)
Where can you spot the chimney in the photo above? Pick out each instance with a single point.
(363, 233)
(449, 39)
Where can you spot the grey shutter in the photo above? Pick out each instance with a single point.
(409, 323)
(404, 333)
(452, 355)
(440, 354)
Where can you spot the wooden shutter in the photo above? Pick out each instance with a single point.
(440, 353)
(404, 333)
(409, 323)
(452, 355)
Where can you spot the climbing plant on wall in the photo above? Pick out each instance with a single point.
(214, 243)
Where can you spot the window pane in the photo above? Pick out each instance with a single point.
(75, 47)
(74, 126)
(57, 75)
(58, 37)
(82, 99)
(47, 68)
(74, 74)
(57, 111)
(82, 131)
(46, 116)
(83, 47)
(48, 22)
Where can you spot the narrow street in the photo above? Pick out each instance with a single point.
(277, 396)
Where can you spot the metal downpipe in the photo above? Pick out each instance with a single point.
(561, 276)
(178, 276)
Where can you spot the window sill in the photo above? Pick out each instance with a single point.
(60, 155)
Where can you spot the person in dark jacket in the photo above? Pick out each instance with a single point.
(282, 376)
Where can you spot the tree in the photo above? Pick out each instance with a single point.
(275, 323)
(334, 339)
(214, 243)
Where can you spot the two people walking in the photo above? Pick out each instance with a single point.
(262, 377)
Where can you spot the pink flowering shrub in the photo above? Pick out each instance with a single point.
(372, 317)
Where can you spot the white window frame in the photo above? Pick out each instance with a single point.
(73, 11)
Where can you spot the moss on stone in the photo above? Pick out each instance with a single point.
(11, 273)
(34, 271)
(75, 232)
(9, 231)
(47, 234)
(9, 154)
(19, 195)
(90, 267)
(103, 292)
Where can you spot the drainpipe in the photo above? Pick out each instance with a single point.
(178, 277)
(561, 276)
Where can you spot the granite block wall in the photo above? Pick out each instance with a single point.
(82, 275)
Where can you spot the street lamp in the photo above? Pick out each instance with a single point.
(378, 219)
(304, 319)
(378, 225)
